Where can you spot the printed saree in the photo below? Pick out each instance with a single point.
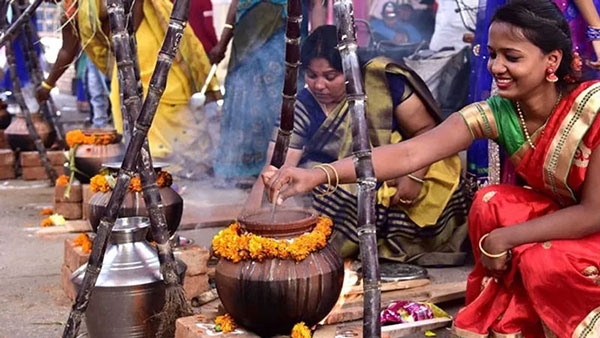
(428, 233)
(551, 288)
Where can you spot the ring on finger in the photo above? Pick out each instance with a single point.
(403, 201)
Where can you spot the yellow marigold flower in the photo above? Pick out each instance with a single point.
(46, 222)
(62, 180)
(74, 137)
(99, 183)
(300, 330)
(224, 323)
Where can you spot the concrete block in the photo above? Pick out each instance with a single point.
(39, 173)
(32, 158)
(69, 210)
(74, 196)
(195, 285)
(7, 172)
(195, 257)
(7, 157)
(86, 193)
(73, 256)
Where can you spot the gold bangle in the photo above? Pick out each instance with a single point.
(337, 177)
(318, 166)
(230, 26)
(47, 86)
(416, 179)
(502, 254)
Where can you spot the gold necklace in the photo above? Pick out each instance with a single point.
(524, 125)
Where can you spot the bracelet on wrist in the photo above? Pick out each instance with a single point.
(46, 86)
(228, 26)
(592, 33)
(491, 255)
(416, 179)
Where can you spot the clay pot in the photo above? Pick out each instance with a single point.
(134, 205)
(17, 134)
(271, 296)
(5, 116)
(90, 157)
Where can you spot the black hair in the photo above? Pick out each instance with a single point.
(321, 43)
(544, 25)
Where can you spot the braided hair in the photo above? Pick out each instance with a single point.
(543, 24)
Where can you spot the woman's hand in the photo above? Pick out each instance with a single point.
(595, 64)
(407, 191)
(42, 94)
(287, 181)
(217, 53)
(495, 244)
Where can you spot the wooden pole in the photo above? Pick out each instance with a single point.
(132, 154)
(14, 28)
(37, 76)
(18, 94)
(292, 62)
(363, 166)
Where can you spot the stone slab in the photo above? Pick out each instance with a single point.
(195, 285)
(73, 256)
(75, 194)
(69, 210)
(39, 173)
(195, 257)
(32, 158)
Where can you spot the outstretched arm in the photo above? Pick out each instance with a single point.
(66, 55)
(389, 161)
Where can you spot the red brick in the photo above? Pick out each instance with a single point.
(73, 256)
(195, 285)
(66, 283)
(7, 157)
(86, 193)
(195, 257)
(32, 158)
(3, 143)
(74, 195)
(38, 173)
(69, 210)
(7, 172)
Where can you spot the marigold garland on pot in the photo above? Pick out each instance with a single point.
(300, 330)
(231, 243)
(100, 182)
(224, 323)
(77, 136)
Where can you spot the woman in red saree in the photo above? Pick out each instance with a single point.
(536, 246)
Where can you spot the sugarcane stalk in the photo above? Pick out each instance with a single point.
(132, 155)
(175, 303)
(363, 164)
(16, 91)
(37, 76)
(292, 62)
(9, 33)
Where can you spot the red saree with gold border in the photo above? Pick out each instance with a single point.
(551, 289)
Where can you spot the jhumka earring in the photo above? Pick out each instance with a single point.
(550, 76)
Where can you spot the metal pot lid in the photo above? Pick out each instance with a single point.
(117, 165)
(396, 272)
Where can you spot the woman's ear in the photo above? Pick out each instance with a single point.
(554, 58)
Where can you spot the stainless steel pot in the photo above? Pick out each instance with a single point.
(129, 290)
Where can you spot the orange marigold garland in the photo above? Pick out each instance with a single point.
(74, 137)
(101, 182)
(300, 330)
(77, 136)
(231, 243)
(224, 323)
